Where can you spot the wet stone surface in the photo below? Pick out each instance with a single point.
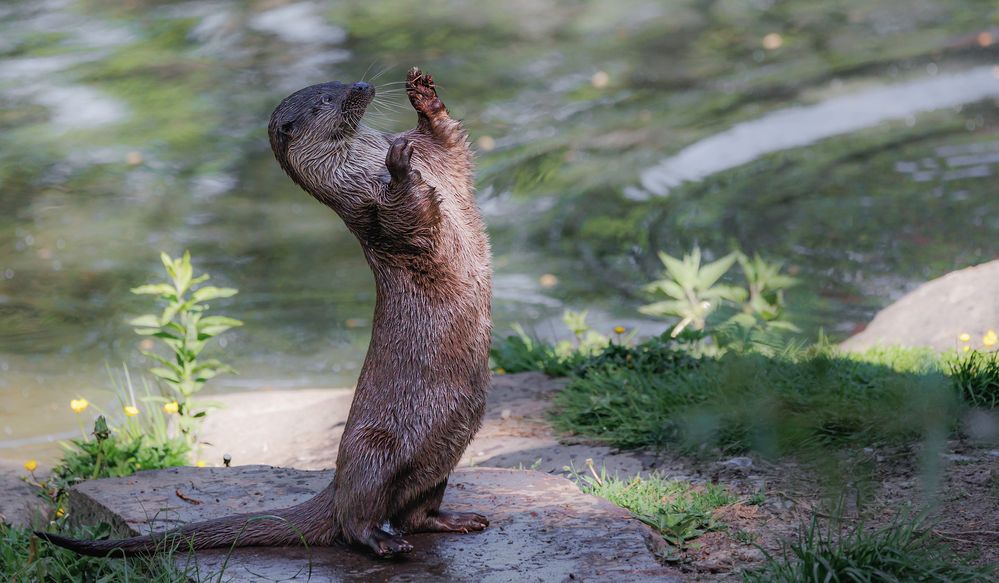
(542, 528)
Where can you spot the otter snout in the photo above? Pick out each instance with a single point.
(363, 88)
(358, 97)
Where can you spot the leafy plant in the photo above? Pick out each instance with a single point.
(765, 286)
(185, 329)
(692, 290)
(521, 352)
(747, 318)
(111, 453)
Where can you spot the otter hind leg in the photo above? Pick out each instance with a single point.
(422, 94)
(425, 515)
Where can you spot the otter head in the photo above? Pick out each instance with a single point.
(319, 116)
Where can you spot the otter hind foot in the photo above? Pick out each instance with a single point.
(460, 522)
(423, 94)
(386, 545)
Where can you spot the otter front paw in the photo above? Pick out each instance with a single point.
(423, 93)
(397, 161)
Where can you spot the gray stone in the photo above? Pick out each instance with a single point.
(20, 504)
(937, 312)
(542, 528)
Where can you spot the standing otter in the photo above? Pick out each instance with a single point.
(421, 393)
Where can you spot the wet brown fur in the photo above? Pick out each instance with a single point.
(421, 393)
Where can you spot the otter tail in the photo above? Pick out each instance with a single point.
(310, 522)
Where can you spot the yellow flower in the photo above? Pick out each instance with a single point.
(964, 337)
(619, 329)
(990, 339)
(78, 405)
(966, 348)
(501, 371)
(200, 463)
(131, 410)
(60, 512)
(171, 407)
(31, 465)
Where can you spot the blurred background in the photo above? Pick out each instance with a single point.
(857, 141)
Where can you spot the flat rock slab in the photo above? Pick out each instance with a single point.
(542, 528)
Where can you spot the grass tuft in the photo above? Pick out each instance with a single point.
(677, 509)
(976, 377)
(904, 551)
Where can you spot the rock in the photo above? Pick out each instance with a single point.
(20, 504)
(937, 312)
(738, 462)
(298, 428)
(542, 527)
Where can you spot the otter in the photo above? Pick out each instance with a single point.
(421, 393)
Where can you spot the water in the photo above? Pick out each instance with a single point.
(130, 128)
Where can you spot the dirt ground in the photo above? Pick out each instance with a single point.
(302, 429)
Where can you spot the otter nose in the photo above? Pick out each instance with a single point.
(362, 87)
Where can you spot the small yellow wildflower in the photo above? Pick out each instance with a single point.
(966, 348)
(964, 337)
(990, 339)
(131, 410)
(501, 370)
(201, 463)
(60, 512)
(31, 465)
(171, 407)
(78, 405)
(619, 329)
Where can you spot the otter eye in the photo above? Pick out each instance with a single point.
(326, 99)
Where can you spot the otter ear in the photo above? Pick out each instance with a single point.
(287, 128)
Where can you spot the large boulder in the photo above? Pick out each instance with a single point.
(937, 312)
(542, 528)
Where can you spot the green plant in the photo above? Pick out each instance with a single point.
(185, 329)
(765, 286)
(520, 352)
(111, 453)
(734, 318)
(692, 290)
(24, 558)
(975, 375)
(904, 551)
(678, 510)
(792, 402)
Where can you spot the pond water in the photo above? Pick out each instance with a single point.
(857, 141)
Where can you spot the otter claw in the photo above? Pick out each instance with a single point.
(386, 545)
(399, 155)
(423, 93)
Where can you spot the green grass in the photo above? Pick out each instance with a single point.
(976, 376)
(664, 393)
(677, 509)
(904, 551)
(24, 558)
(789, 403)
